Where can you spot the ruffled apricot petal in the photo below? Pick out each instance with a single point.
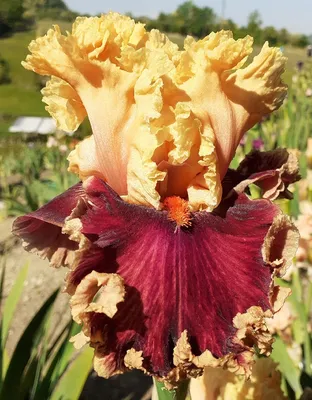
(64, 104)
(83, 160)
(86, 60)
(253, 92)
(218, 384)
(196, 279)
(108, 290)
(165, 122)
(229, 98)
(41, 230)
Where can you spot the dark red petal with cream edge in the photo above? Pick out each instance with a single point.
(41, 230)
(273, 171)
(195, 279)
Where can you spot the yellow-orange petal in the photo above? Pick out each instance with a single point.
(219, 384)
(64, 104)
(254, 91)
(165, 122)
(83, 160)
(230, 101)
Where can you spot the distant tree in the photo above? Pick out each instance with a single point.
(284, 36)
(204, 21)
(184, 14)
(194, 20)
(299, 40)
(164, 22)
(189, 19)
(4, 71)
(11, 16)
(52, 9)
(228, 24)
(55, 4)
(271, 35)
(32, 6)
(254, 23)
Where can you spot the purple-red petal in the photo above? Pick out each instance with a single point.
(273, 171)
(196, 279)
(41, 230)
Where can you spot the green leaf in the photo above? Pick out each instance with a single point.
(11, 303)
(67, 351)
(286, 365)
(32, 380)
(181, 393)
(5, 362)
(42, 356)
(23, 351)
(73, 380)
(2, 367)
(2, 282)
(59, 362)
(29, 376)
(298, 330)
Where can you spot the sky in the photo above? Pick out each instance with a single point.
(294, 15)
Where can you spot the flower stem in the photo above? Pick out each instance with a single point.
(180, 393)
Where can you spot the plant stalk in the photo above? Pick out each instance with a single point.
(180, 393)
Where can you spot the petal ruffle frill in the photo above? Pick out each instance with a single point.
(41, 230)
(164, 121)
(193, 296)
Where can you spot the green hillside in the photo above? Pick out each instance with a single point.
(20, 97)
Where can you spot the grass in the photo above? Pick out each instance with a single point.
(4, 127)
(293, 55)
(19, 100)
(21, 96)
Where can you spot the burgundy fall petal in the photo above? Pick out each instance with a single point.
(196, 278)
(41, 230)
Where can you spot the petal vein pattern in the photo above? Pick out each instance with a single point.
(164, 297)
(196, 279)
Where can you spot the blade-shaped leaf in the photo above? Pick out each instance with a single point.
(60, 360)
(2, 281)
(286, 365)
(29, 376)
(73, 380)
(68, 351)
(23, 351)
(1, 348)
(177, 394)
(5, 362)
(31, 380)
(11, 303)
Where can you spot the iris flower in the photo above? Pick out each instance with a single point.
(171, 265)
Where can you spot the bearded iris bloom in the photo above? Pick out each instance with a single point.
(171, 265)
